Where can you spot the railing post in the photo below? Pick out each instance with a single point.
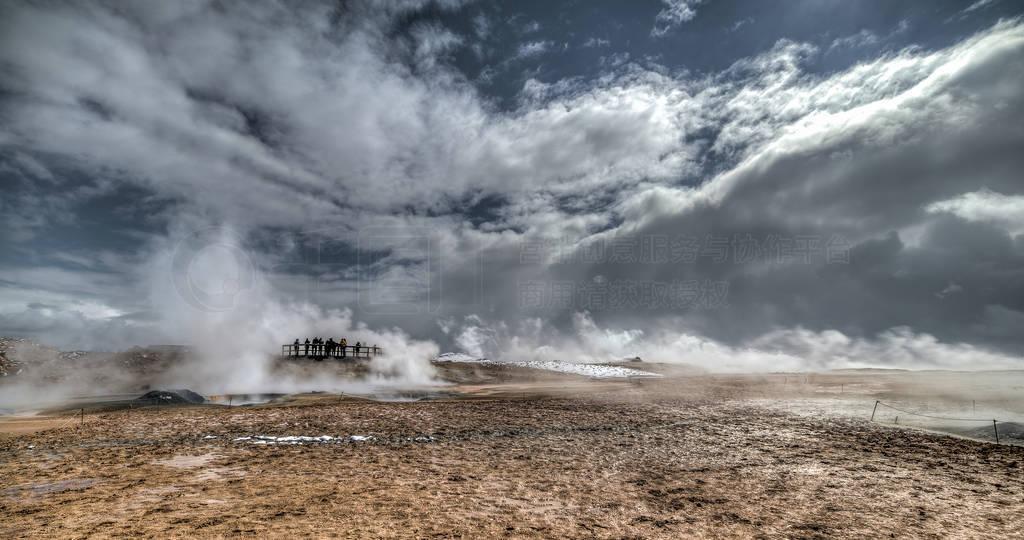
(873, 411)
(996, 430)
(339, 351)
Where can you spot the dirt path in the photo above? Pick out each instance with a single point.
(31, 423)
(659, 459)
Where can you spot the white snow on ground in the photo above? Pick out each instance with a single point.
(302, 439)
(587, 370)
(294, 438)
(459, 357)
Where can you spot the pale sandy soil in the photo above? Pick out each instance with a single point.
(518, 455)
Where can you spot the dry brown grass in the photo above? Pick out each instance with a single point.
(558, 458)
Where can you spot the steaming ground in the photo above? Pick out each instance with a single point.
(512, 450)
(35, 376)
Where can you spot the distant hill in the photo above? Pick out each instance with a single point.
(26, 359)
(12, 351)
(867, 370)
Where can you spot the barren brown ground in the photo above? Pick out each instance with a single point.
(685, 456)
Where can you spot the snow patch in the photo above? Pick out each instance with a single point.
(589, 370)
(302, 439)
(600, 371)
(458, 357)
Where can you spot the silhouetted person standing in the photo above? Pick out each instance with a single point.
(295, 347)
(307, 347)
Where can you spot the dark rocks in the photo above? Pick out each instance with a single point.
(169, 397)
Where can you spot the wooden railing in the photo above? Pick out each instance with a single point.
(339, 351)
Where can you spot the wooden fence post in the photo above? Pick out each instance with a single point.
(996, 430)
(873, 411)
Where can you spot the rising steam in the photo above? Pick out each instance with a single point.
(788, 349)
(220, 306)
(209, 295)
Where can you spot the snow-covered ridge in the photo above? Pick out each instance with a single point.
(587, 370)
(460, 357)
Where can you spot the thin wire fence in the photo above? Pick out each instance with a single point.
(995, 429)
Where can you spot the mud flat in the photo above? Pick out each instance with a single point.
(516, 454)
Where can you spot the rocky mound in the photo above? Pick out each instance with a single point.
(169, 397)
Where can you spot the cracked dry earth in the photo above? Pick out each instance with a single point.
(661, 458)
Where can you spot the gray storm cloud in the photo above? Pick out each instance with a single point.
(310, 131)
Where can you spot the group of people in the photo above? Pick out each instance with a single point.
(318, 347)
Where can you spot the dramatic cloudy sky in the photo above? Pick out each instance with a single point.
(813, 183)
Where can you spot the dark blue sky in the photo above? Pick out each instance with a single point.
(721, 33)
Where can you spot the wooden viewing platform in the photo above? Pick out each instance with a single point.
(340, 351)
